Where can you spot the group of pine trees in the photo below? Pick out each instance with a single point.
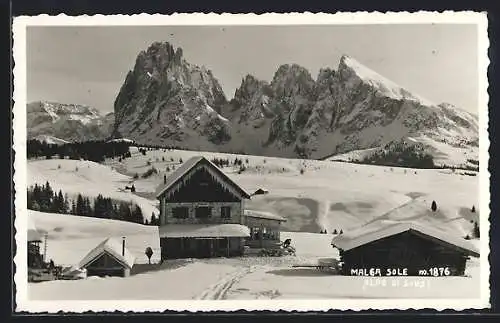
(334, 231)
(402, 154)
(43, 198)
(221, 162)
(96, 151)
(225, 162)
(149, 147)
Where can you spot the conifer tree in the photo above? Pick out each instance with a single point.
(99, 207)
(87, 207)
(73, 207)
(137, 215)
(80, 205)
(124, 212)
(475, 230)
(66, 208)
(60, 202)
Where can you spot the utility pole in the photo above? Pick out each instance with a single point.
(45, 248)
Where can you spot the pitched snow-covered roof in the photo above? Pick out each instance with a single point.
(226, 230)
(377, 231)
(33, 233)
(190, 164)
(112, 247)
(263, 215)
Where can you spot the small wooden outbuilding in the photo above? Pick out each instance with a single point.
(408, 249)
(261, 191)
(109, 258)
(264, 227)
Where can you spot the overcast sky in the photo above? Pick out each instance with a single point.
(87, 65)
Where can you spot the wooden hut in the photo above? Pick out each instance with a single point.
(109, 258)
(201, 212)
(382, 249)
(261, 191)
(264, 227)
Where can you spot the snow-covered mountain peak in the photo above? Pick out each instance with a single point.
(169, 99)
(380, 83)
(77, 112)
(70, 122)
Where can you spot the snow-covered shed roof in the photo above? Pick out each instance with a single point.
(180, 172)
(112, 247)
(33, 233)
(377, 231)
(263, 215)
(226, 230)
(261, 190)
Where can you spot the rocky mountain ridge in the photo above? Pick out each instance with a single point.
(166, 100)
(68, 122)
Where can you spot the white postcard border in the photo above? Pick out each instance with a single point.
(19, 124)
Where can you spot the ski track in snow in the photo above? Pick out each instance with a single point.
(219, 290)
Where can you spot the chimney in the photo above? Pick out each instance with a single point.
(123, 246)
(164, 179)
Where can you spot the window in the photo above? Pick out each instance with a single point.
(203, 212)
(225, 212)
(180, 212)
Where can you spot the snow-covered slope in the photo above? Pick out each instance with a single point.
(88, 178)
(69, 122)
(50, 140)
(70, 237)
(385, 86)
(122, 140)
(327, 195)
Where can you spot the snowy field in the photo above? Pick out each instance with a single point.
(88, 178)
(259, 278)
(70, 237)
(328, 195)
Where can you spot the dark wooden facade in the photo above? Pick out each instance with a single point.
(107, 265)
(35, 258)
(408, 250)
(200, 194)
(174, 248)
